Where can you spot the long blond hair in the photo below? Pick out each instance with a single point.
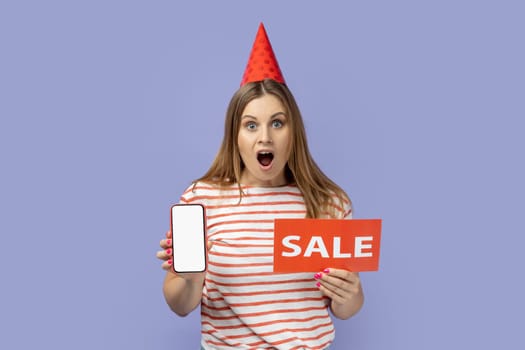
(321, 195)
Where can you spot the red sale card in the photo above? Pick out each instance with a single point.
(310, 245)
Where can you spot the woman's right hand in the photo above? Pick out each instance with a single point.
(166, 252)
(182, 291)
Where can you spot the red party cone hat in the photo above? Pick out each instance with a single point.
(262, 63)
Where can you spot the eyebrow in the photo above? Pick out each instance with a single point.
(271, 117)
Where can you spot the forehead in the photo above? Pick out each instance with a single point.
(264, 106)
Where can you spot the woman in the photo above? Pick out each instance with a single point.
(263, 171)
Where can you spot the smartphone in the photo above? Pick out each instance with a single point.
(188, 226)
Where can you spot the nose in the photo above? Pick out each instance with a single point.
(265, 135)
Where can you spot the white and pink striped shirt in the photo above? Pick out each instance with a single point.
(244, 304)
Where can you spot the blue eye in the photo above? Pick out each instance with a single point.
(277, 123)
(250, 126)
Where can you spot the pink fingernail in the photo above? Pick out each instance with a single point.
(170, 262)
(168, 241)
(326, 270)
(318, 275)
(168, 251)
(318, 284)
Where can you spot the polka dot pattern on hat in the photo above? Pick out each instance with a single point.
(262, 63)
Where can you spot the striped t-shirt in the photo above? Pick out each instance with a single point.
(244, 304)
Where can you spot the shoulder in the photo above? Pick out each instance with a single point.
(347, 213)
(342, 206)
(206, 192)
(197, 191)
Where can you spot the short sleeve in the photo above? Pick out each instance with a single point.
(342, 208)
(188, 195)
(348, 213)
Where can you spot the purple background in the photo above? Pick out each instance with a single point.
(110, 108)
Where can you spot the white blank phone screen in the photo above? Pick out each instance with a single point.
(187, 224)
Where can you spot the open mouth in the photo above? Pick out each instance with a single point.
(265, 158)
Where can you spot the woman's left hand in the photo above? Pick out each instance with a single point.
(343, 288)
